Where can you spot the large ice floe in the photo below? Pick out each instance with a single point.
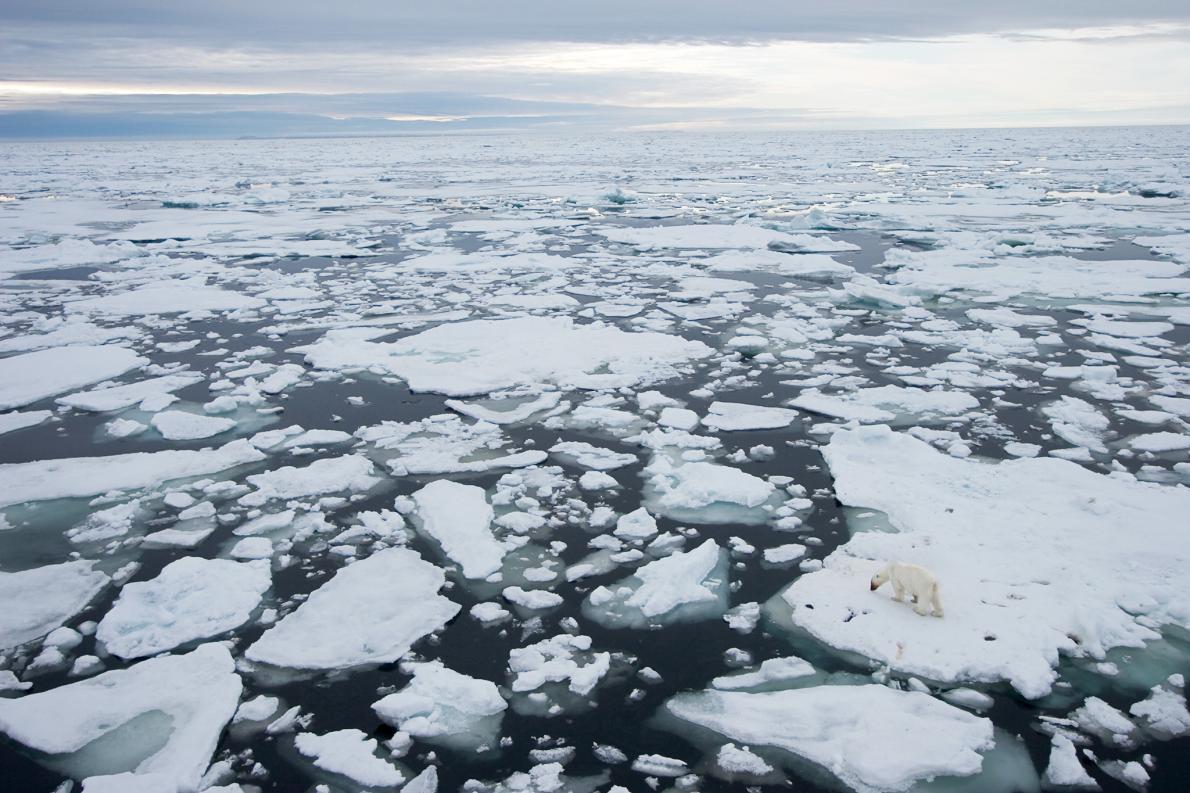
(33, 376)
(458, 517)
(160, 719)
(370, 612)
(481, 356)
(1029, 553)
(76, 477)
(190, 599)
(870, 738)
(45, 597)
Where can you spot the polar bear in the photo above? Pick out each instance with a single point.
(919, 582)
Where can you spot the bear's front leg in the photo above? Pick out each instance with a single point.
(898, 592)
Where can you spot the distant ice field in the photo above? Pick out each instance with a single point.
(564, 462)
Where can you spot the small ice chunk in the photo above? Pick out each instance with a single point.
(350, 753)
(561, 659)
(531, 598)
(659, 765)
(597, 480)
(771, 670)
(636, 525)
(442, 702)
(1064, 771)
(740, 760)
(783, 554)
(252, 548)
(178, 425)
(732, 416)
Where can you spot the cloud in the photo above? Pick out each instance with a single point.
(299, 65)
(366, 23)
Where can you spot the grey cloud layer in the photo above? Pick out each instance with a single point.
(397, 23)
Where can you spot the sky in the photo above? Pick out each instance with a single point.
(298, 67)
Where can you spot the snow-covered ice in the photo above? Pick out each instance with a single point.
(1028, 553)
(459, 518)
(161, 716)
(482, 356)
(33, 376)
(190, 599)
(871, 738)
(47, 597)
(371, 612)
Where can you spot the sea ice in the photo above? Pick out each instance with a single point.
(371, 612)
(441, 703)
(75, 477)
(162, 716)
(737, 416)
(179, 425)
(856, 733)
(1028, 553)
(47, 597)
(459, 518)
(329, 475)
(191, 598)
(350, 753)
(166, 298)
(681, 587)
(482, 356)
(33, 376)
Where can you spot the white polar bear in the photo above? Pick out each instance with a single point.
(919, 582)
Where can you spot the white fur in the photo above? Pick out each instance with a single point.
(918, 582)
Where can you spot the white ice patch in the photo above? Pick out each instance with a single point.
(190, 599)
(596, 458)
(371, 612)
(856, 733)
(162, 716)
(440, 703)
(176, 297)
(682, 587)
(561, 659)
(482, 356)
(33, 376)
(43, 598)
(705, 492)
(179, 425)
(444, 444)
(717, 236)
(459, 518)
(102, 400)
(349, 753)
(350, 473)
(75, 477)
(886, 403)
(730, 416)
